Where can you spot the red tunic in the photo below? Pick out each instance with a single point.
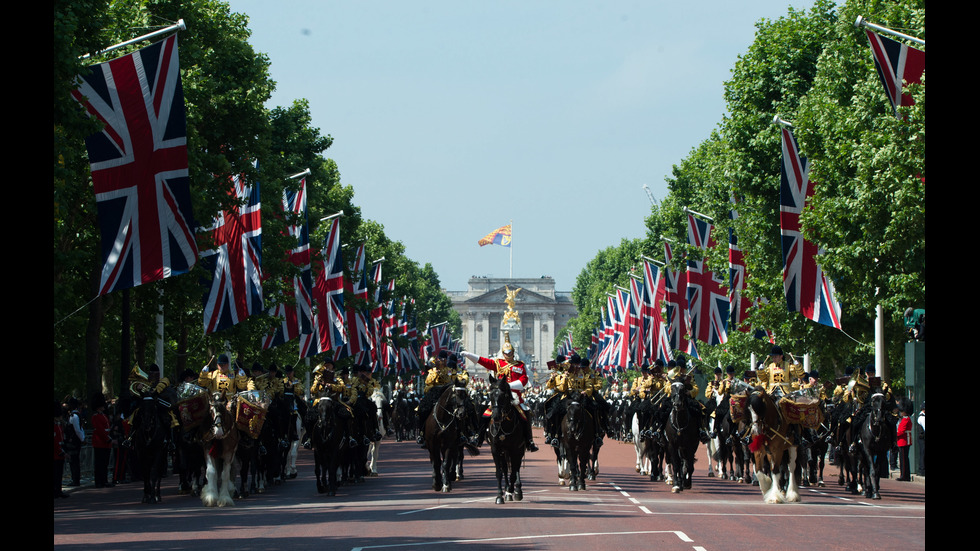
(904, 432)
(59, 437)
(100, 431)
(515, 372)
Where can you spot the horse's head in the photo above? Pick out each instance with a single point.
(678, 394)
(876, 408)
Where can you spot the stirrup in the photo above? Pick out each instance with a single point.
(531, 446)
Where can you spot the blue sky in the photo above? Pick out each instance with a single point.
(452, 118)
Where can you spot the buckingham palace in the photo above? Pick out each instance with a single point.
(542, 313)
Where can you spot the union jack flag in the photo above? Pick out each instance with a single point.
(357, 319)
(235, 261)
(808, 290)
(637, 337)
(656, 345)
(623, 328)
(139, 166)
(295, 319)
(675, 298)
(707, 298)
(329, 293)
(736, 279)
(376, 315)
(896, 63)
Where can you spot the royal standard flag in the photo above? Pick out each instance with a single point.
(499, 236)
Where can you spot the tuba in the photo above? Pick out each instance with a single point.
(139, 381)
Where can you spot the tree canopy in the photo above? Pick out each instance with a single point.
(226, 85)
(814, 69)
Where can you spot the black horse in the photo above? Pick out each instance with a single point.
(877, 435)
(578, 432)
(443, 428)
(326, 420)
(682, 432)
(507, 441)
(150, 428)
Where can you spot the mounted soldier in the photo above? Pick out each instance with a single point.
(516, 374)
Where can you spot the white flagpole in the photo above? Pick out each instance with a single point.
(511, 248)
(862, 22)
(179, 26)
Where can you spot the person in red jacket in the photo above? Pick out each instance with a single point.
(516, 374)
(101, 441)
(904, 441)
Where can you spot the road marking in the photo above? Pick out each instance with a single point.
(683, 537)
(422, 510)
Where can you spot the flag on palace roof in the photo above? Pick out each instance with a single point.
(234, 259)
(808, 289)
(139, 166)
(500, 236)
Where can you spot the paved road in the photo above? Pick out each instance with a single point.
(399, 511)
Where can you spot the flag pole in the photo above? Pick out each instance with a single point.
(179, 26)
(705, 216)
(511, 248)
(862, 22)
(306, 172)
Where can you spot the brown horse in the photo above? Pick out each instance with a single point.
(772, 442)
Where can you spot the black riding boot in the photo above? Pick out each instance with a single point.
(531, 447)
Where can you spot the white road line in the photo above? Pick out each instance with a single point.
(683, 537)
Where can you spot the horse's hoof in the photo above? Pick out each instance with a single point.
(675, 490)
(500, 500)
(711, 474)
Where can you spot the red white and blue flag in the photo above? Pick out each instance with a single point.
(656, 345)
(358, 331)
(675, 299)
(328, 292)
(808, 289)
(297, 318)
(736, 280)
(896, 64)
(234, 259)
(638, 348)
(707, 297)
(139, 166)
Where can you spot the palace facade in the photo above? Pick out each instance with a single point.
(543, 313)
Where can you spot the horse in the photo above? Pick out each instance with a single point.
(682, 434)
(844, 435)
(722, 429)
(443, 428)
(149, 438)
(772, 442)
(577, 438)
(292, 429)
(877, 436)
(401, 417)
(507, 442)
(327, 435)
(220, 443)
(381, 404)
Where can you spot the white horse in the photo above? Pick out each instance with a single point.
(714, 444)
(222, 440)
(644, 464)
(375, 447)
